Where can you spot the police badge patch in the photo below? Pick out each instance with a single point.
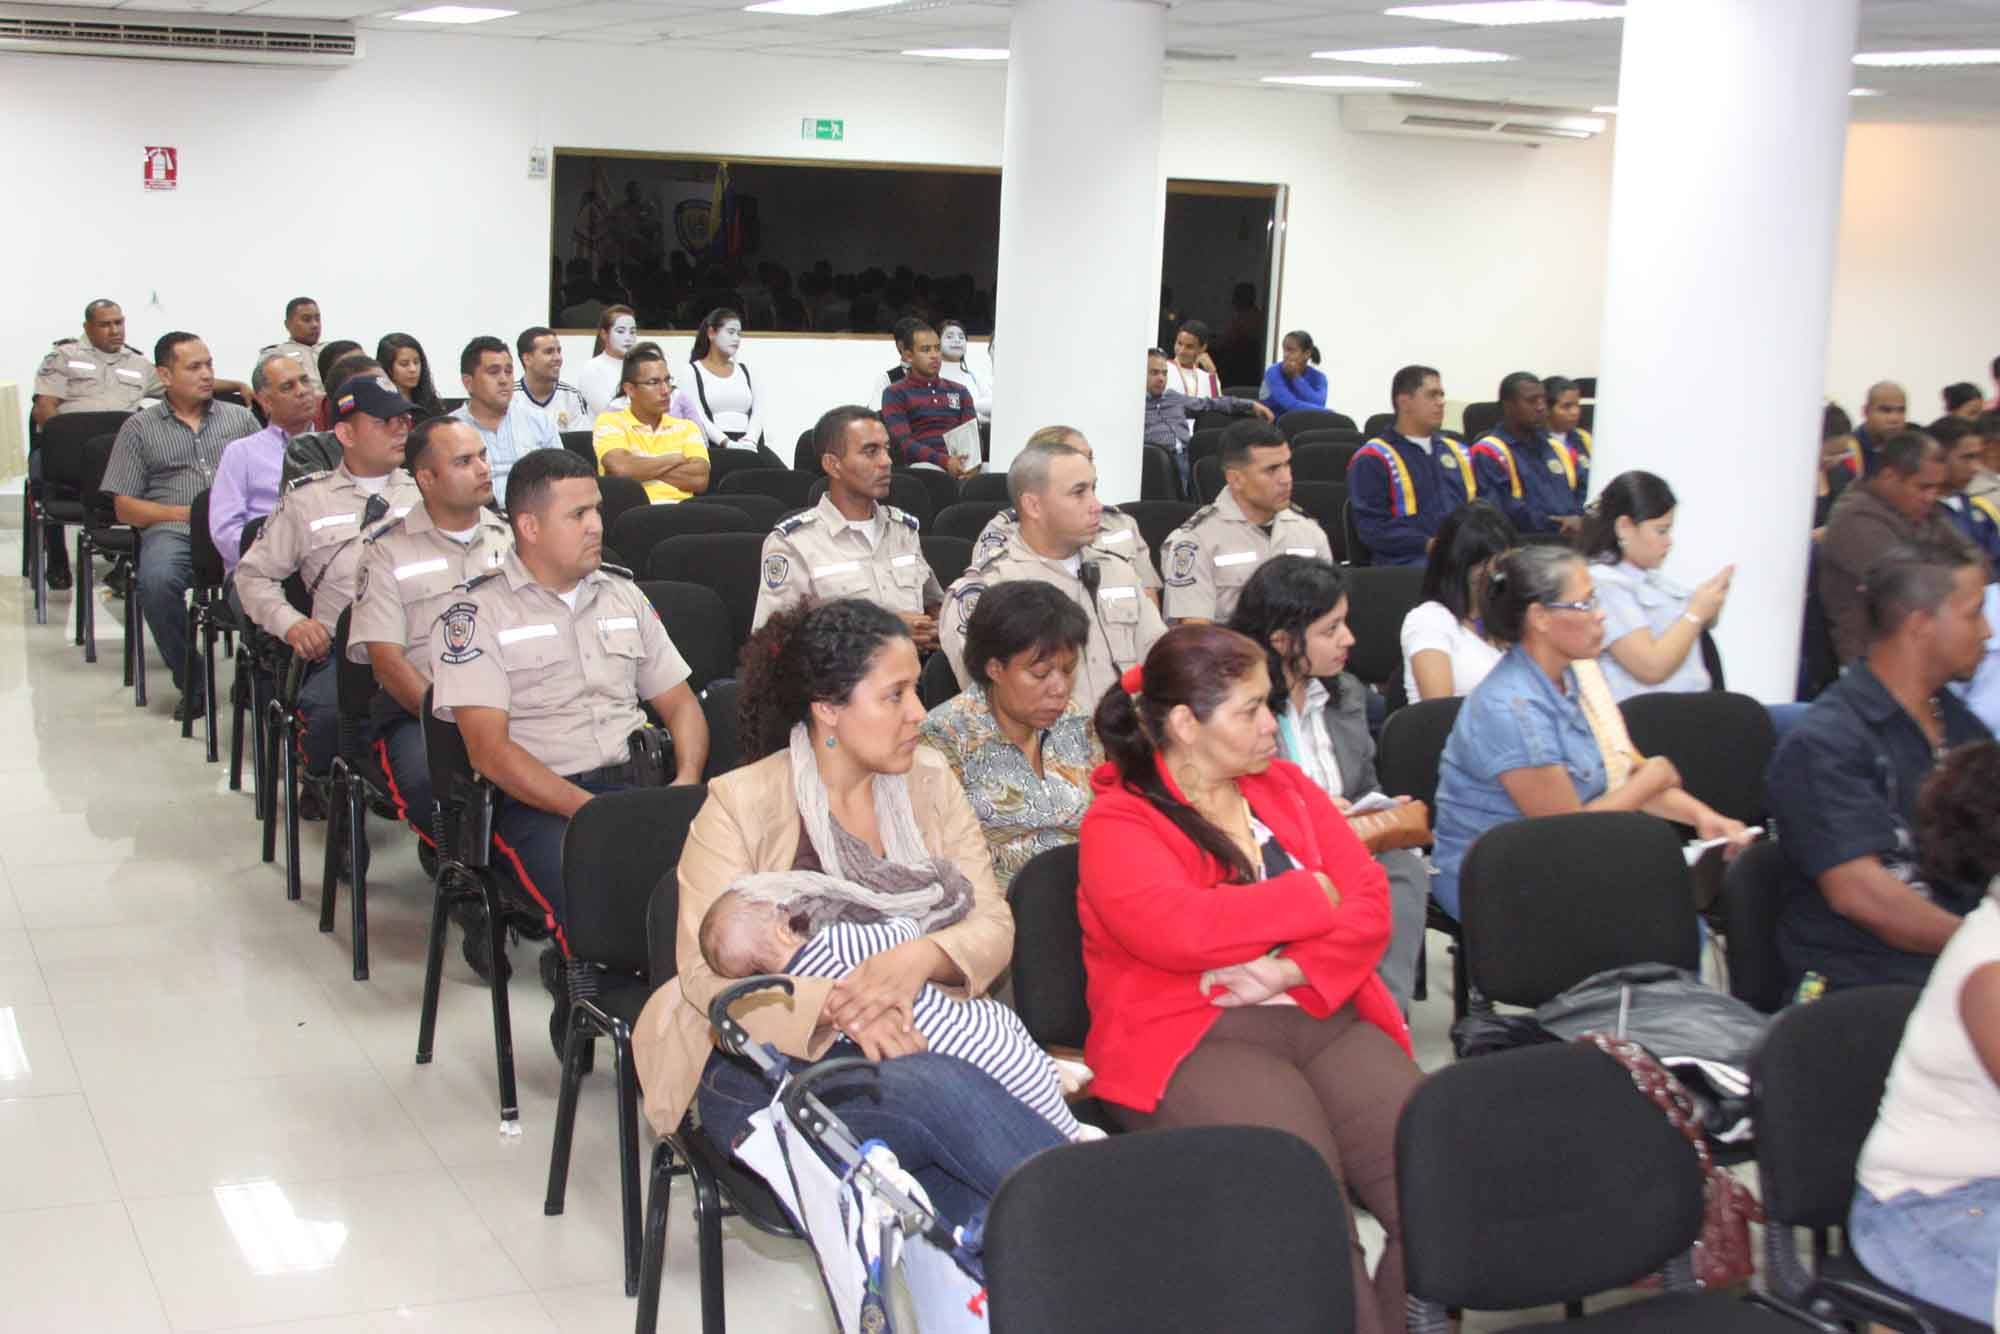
(1180, 572)
(967, 599)
(776, 570)
(457, 624)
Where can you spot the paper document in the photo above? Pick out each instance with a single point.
(963, 442)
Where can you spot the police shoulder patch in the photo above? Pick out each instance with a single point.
(298, 482)
(618, 570)
(786, 527)
(904, 517)
(361, 583)
(777, 569)
(1181, 561)
(383, 527)
(455, 627)
(1197, 518)
(473, 583)
(1112, 509)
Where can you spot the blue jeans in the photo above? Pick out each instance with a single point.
(1942, 1248)
(950, 1124)
(166, 568)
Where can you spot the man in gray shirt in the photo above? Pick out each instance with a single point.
(1170, 416)
(165, 456)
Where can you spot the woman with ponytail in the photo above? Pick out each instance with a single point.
(839, 785)
(719, 396)
(1232, 924)
(1294, 382)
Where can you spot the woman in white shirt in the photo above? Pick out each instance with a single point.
(954, 344)
(1296, 607)
(1652, 625)
(1445, 651)
(719, 396)
(602, 380)
(1926, 1212)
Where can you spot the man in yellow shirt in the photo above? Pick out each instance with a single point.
(668, 455)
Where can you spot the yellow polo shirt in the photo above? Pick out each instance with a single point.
(621, 430)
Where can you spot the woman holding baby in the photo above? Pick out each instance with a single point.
(843, 790)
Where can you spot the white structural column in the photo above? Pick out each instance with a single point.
(1082, 210)
(1725, 199)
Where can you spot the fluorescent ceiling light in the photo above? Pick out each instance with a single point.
(1339, 81)
(1864, 92)
(814, 8)
(960, 52)
(1604, 111)
(1920, 59)
(1497, 13)
(1414, 55)
(454, 14)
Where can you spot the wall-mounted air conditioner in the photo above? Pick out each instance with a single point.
(245, 40)
(1461, 118)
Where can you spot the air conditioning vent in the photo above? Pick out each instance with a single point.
(1462, 118)
(1198, 57)
(1449, 123)
(133, 35)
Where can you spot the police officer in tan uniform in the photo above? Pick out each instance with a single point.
(851, 544)
(1055, 489)
(315, 533)
(411, 568)
(542, 663)
(301, 338)
(1119, 535)
(1211, 556)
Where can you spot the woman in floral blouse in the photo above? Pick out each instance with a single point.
(1023, 751)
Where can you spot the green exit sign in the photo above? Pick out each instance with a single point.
(822, 128)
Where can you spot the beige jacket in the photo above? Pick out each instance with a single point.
(750, 822)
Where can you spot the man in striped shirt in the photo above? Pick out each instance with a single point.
(921, 407)
(544, 388)
(165, 456)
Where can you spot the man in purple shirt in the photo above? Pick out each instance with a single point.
(246, 480)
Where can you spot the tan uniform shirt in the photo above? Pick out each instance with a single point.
(307, 357)
(570, 681)
(315, 533)
(1118, 534)
(82, 379)
(410, 572)
(1123, 624)
(820, 554)
(1211, 556)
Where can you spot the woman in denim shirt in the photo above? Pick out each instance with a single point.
(1522, 746)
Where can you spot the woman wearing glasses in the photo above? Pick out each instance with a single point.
(1541, 734)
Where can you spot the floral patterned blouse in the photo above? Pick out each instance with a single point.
(1022, 814)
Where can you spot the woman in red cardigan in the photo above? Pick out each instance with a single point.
(1232, 923)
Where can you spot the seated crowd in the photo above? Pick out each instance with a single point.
(1193, 726)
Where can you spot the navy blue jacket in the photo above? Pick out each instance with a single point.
(1533, 481)
(1401, 492)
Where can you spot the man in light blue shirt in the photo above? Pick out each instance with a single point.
(509, 427)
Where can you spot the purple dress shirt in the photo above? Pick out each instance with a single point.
(245, 488)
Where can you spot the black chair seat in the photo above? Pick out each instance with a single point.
(746, 1192)
(763, 511)
(966, 520)
(1672, 1313)
(1843, 1266)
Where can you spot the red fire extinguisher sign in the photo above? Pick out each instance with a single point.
(163, 168)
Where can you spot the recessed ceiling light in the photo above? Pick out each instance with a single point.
(454, 14)
(814, 8)
(960, 52)
(1339, 81)
(1864, 92)
(1495, 13)
(1414, 55)
(1918, 59)
(1604, 111)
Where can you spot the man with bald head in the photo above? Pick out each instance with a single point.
(1118, 532)
(1886, 412)
(246, 481)
(1898, 503)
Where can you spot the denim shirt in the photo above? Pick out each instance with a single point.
(1643, 599)
(1514, 719)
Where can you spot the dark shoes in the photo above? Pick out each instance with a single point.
(555, 981)
(190, 708)
(478, 943)
(59, 581)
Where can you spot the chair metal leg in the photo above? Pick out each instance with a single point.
(338, 814)
(357, 893)
(653, 1253)
(131, 600)
(190, 658)
(208, 686)
(291, 786)
(628, 1150)
(135, 635)
(34, 556)
(708, 1245)
(575, 1041)
(434, 963)
(86, 608)
(503, 1027)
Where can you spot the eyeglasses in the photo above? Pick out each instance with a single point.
(1588, 604)
(654, 384)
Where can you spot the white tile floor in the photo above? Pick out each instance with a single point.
(206, 1124)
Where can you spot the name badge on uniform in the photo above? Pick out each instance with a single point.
(899, 561)
(417, 567)
(520, 632)
(838, 567)
(1300, 551)
(1114, 594)
(1235, 558)
(329, 520)
(1117, 535)
(611, 623)
(86, 367)
(129, 377)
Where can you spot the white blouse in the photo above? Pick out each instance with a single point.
(1633, 599)
(732, 418)
(601, 384)
(1431, 625)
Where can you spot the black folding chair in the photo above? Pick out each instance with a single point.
(1753, 894)
(723, 463)
(59, 498)
(582, 444)
(942, 488)
(1480, 418)
(640, 530)
(985, 486)
(906, 493)
(762, 511)
(614, 852)
(785, 484)
(1312, 419)
(698, 622)
(967, 520)
(1323, 501)
(1207, 479)
(1206, 442)
(948, 557)
(1322, 460)
(1378, 598)
(1721, 742)
(1377, 423)
(1406, 763)
(618, 495)
(721, 705)
(1357, 550)
(1047, 970)
(1325, 435)
(1157, 519)
(354, 782)
(731, 564)
(1076, 1238)
(937, 683)
(208, 617)
(1159, 478)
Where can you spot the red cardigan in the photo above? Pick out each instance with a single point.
(1156, 914)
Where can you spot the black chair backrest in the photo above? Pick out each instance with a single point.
(1157, 519)
(354, 684)
(63, 439)
(1537, 1175)
(1819, 664)
(762, 511)
(1711, 658)
(783, 484)
(615, 850)
(1406, 758)
(728, 563)
(1753, 892)
(720, 705)
(1077, 1236)
(1378, 598)
(619, 495)
(204, 559)
(1546, 903)
(663, 928)
(967, 519)
(640, 530)
(1377, 423)
(805, 456)
(580, 443)
(984, 486)
(1159, 478)
(942, 486)
(1048, 950)
(1322, 460)
(697, 620)
(1253, 392)
(1206, 443)
(1207, 479)
(1721, 743)
(726, 463)
(445, 756)
(1323, 501)
(1480, 418)
(1357, 550)
(1325, 435)
(937, 683)
(906, 493)
(1312, 419)
(948, 557)
(1816, 1085)
(90, 481)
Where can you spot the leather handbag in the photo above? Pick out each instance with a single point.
(1404, 826)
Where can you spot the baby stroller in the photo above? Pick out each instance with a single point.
(862, 1213)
